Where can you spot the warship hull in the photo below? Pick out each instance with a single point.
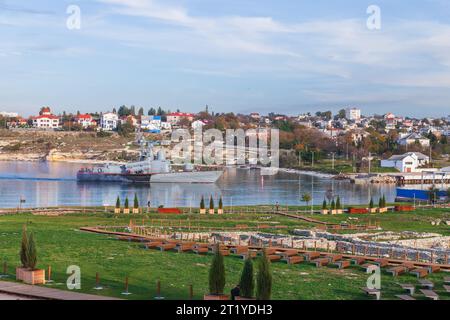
(174, 177)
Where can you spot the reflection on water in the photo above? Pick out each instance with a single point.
(51, 184)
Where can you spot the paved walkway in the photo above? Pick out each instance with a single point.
(14, 291)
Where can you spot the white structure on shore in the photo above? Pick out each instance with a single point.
(353, 114)
(109, 121)
(46, 120)
(408, 162)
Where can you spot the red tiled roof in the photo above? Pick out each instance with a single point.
(84, 116)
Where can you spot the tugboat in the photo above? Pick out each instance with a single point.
(148, 169)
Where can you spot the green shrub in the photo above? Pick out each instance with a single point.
(217, 273)
(136, 202)
(263, 279)
(24, 248)
(247, 282)
(118, 202)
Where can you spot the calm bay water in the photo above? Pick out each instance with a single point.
(44, 184)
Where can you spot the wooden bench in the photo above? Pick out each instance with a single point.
(294, 259)
(152, 244)
(426, 283)
(366, 266)
(397, 270)
(250, 254)
(420, 272)
(183, 247)
(372, 292)
(430, 294)
(200, 249)
(343, 264)
(274, 257)
(239, 249)
(433, 269)
(404, 297)
(334, 257)
(358, 260)
(166, 246)
(320, 262)
(381, 262)
(288, 253)
(311, 255)
(269, 251)
(408, 287)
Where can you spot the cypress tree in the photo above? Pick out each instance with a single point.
(211, 203)
(324, 205)
(338, 203)
(333, 205)
(136, 201)
(126, 205)
(247, 282)
(384, 201)
(24, 248)
(217, 273)
(380, 202)
(31, 253)
(220, 203)
(263, 279)
(202, 203)
(371, 203)
(118, 202)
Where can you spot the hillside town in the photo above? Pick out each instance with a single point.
(398, 143)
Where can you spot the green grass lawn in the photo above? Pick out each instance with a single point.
(61, 244)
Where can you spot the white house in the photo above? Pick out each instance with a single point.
(408, 162)
(46, 120)
(85, 120)
(412, 138)
(109, 121)
(353, 114)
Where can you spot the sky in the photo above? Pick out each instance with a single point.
(286, 56)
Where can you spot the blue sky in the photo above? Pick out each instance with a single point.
(290, 56)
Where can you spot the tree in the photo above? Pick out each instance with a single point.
(125, 129)
(384, 201)
(247, 282)
(141, 111)
(211, 203)
(217, 273)
(306, 198)
(263, 279)
(202, 203)
(136, 202)
(24, 247)
(118, 202)
(324, 204)
(220, 203)
(371, 203)
(338, 203)
(31, 253)
(333, 205)
(380, 202)
(152, 112)
(126, 205)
